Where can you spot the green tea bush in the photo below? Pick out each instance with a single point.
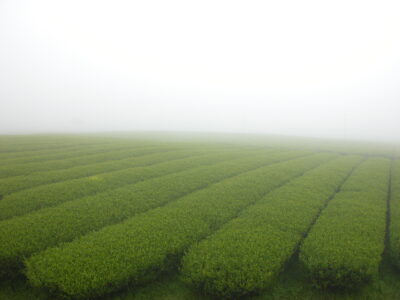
(27, 201)
(32, 156)
(10, 148)
(18, 183)
(16, 153)
(64, 153)
(29, 168)
(22, 236)
(344, 247)
(247, 254)
(141, 247)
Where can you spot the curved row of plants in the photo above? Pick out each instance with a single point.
(64, 153)
(29, 168)
(140, 157)
(247, 254)
(27, 201)
(22, 236)
(141, 247)
(18, 183)
(344, 248)
(45, 154)
(10, 147)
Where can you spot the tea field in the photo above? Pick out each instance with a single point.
(198, 216)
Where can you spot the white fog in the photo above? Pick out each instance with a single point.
(303, 68)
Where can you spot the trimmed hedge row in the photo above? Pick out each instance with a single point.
(68, 149)
(10, 148)
(394, 243)
(27, 201)
(247, 254)
(344, 247)
(40, 149)
(22, 236)
(140, 248)
(29, 168)
(18, 183)
(10, 156)
(66, 153)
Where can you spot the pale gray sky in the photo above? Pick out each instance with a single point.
(313, 68)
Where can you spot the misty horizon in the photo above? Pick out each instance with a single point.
(307, 69)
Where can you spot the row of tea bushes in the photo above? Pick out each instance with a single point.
(27, 201)
(141, 247)
(64, 153)
(248, 253)
(10, 147)
(25, 156)
(18, 183)
(345, 246)
(22, 236)
(29, 168)
(140, 157)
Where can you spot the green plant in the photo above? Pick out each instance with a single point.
(344, 247)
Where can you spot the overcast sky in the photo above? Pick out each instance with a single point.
(313, 68)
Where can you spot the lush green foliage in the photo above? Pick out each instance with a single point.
(19, 146)
(17, 183)
(26, 201)
(192, 204)
(100, 262)
(42, 155)
(394, 242)
(344, 247)
(69, 152)
(22, 236)
(28, 168)
(246, 254)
